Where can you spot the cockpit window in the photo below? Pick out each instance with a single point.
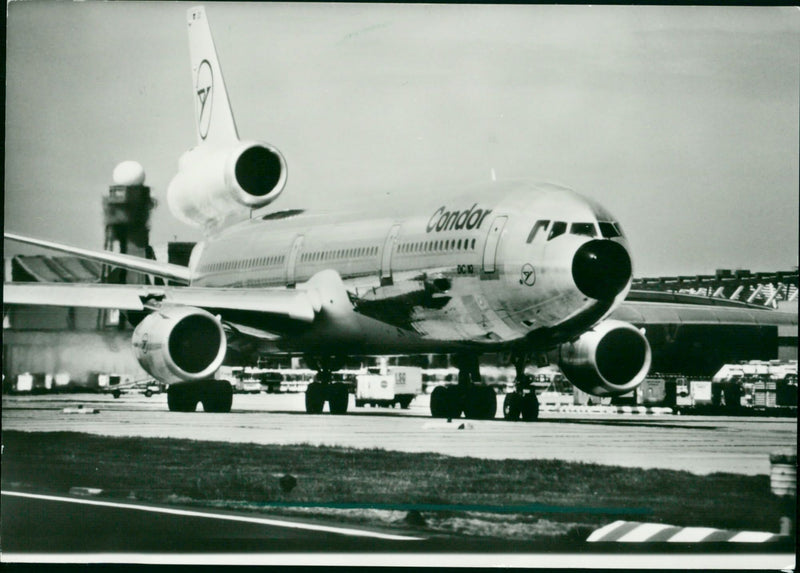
(558, 228)
(619, 229)
(541, 224)
(609, 230)
(583, 229)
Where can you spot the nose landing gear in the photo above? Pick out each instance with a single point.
(474, 400)
(522, 402)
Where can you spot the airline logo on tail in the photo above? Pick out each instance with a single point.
(213, 115)
(204, 86)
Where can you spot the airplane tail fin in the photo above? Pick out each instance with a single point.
(213, 114)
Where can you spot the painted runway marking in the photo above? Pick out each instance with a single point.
(225, 517)
(632, 531)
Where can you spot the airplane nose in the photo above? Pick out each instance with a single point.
(601, 269)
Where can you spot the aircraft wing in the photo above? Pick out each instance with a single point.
(645, 307)
(293, 304)
(164, 270)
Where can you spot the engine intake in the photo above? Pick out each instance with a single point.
(214, 184)
(178, 344)
(611, 359)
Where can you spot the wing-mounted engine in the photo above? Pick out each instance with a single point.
(179, 344)
(218, 183)
(611, 359)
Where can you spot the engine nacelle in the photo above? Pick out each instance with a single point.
(179, 344)
(216, 183)
(611, 359)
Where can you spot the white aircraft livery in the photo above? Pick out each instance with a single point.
(521, 268)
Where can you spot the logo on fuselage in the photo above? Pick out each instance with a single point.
(444, 220)
(205, 97)
(527, 275)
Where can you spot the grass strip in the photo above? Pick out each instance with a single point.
(248, 476)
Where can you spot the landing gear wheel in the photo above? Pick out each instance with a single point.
(439, 402)
(511, 407)
(315, 398)
(182, 397)
(454, 401)
(480, 403)
(217, 397)
(490, 403)
(529, 407)
(338, 397)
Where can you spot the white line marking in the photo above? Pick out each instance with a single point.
(644, 532)
(691, 534)
(190, 513)
(751, 537)
(605, 530)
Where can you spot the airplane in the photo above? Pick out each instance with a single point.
(534, 270)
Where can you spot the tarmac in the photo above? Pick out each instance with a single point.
(697, 444)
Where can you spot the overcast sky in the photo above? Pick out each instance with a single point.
(682, 121)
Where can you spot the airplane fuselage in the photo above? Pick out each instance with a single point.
(491, 268)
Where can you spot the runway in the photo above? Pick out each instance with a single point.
(700, 445)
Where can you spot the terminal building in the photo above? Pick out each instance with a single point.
(82, 343)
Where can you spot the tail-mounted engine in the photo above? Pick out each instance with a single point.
(179, 343)
(215, 183)
(611, 359)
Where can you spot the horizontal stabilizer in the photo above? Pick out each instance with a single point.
(164, 270)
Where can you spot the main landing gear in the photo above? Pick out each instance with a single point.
(215, 395)
(522, 402)
(477, 402)
(323, 389)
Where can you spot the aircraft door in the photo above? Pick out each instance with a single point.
(492, 242)
(292, 260)
(386, 257)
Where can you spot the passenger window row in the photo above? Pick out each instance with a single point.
(443, 245)
(244, 264)
(339, 254)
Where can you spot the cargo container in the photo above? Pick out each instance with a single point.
(700, 391)
(653, 391)
(398, 385)
(24, 382)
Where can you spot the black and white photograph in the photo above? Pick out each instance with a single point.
(418, 285)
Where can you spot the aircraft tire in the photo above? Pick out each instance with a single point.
(218, 397)
(489, 402)
(439, 402)
(511, 407)
(529, 407)
(182, 397)
(454, 401)
(480, 403)
(338, 398)
(315, 398)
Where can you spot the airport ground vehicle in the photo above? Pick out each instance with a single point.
(396, 385)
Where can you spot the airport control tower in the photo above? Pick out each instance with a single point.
(126, 211)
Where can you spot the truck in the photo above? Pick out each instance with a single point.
(388, 386)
